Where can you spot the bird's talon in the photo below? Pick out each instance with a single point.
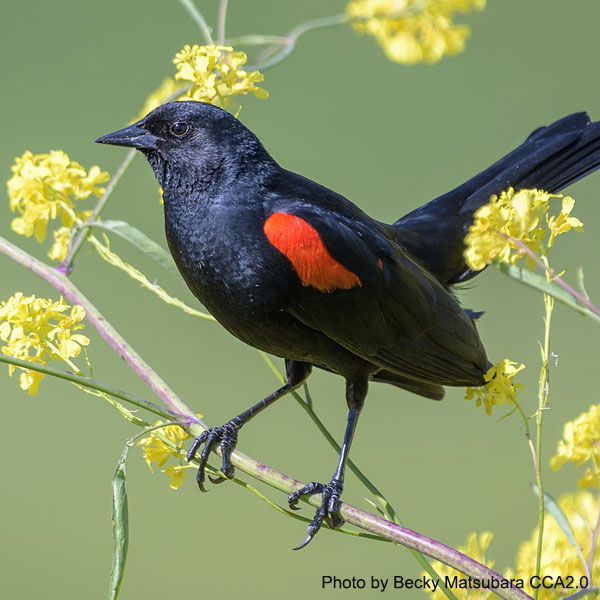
(195, 445)
(226, 437)
(304, 542)
(329, 509)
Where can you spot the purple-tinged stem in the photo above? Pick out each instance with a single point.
(354, 516)
(553, 276)
(386, 529)
(110, 335)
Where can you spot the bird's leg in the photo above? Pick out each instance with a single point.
(356, 392)
(225, 436)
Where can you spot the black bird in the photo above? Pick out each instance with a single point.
(297, 270)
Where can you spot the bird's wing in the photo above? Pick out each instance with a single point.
(361, 290)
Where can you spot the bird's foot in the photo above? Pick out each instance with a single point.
(225, 437)
(329, 509)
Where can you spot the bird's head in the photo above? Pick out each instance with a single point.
(191, 143)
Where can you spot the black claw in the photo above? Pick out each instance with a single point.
(311, 531)
(329, 509)
(305, 542)
(308, 490)
(226, 437)
(197, 443)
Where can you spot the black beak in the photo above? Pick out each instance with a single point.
(132, 136)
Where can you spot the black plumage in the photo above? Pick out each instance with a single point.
(297, 270)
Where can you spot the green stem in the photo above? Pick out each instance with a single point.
(69, 362)
(267, 59)
(81, 233)
(116, 261)
(199, 19)
(543, 394)
(221, 22)
(114, 339)
(88, 383)
(363, 520)
(594, 542)
(256, 40)
(67, 265)
(294, 515)
(383, 501)
(552, 277)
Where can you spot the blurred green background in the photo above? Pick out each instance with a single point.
(389, 137)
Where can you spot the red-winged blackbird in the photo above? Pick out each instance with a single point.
(297, 270)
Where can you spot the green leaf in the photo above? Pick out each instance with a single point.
(140, 240)
(539, 282)
(120, 520)
(559, 516)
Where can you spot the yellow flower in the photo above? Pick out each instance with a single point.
(29, 381)
(158, 452)
(176, 474)
(499, 387)
(36, 329)
(167, 89)
(563, 222)
(45, 187)
(216, 74)
(411, 31)
(68, 343)
(475, 547)
(580, 444)
(515, 216)
(559, 557)
(60, 246)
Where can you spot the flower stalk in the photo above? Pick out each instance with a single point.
(543, 394)
(80, 236)
(110, 335)
(194, 426)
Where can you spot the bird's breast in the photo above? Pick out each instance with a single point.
(228, 263)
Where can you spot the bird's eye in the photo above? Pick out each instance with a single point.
(180, 128)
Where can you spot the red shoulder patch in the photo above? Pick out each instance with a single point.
(301, 244)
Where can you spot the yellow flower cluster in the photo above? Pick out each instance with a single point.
(36, 329)
(475, 547)
(46, 186)
(157, 451)
(216, 74)
(412, 31)
(580, 444)
(516, 216)
(499, 387)
(559, 557)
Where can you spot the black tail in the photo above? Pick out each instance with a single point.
(422, 388)
(551, 158)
